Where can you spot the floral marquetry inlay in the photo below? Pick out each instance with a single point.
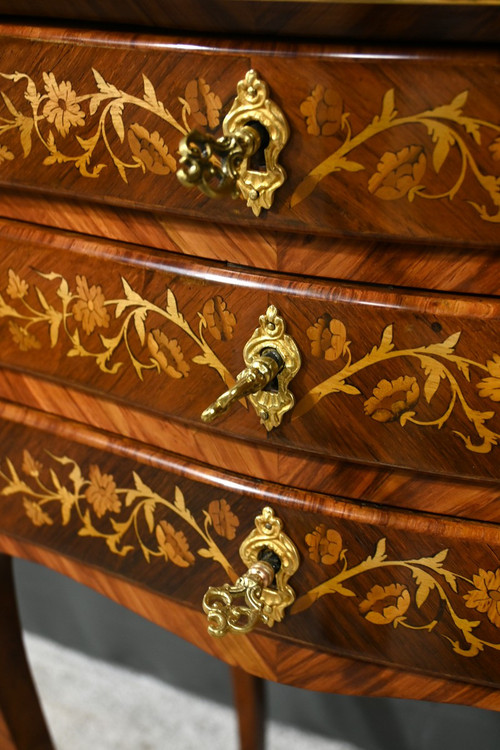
(86, 323)
(409, 172)
(64, 120)
(401, 602)
(398, 399)
(58, 491)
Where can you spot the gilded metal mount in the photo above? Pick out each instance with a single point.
(272, 359)
(262, 594)
(244, 161)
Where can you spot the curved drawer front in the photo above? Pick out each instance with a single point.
(398, 146)
(394, 378)
(385, 586)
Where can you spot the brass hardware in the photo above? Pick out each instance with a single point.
(223, 166)
(272, 359)
(271, 558)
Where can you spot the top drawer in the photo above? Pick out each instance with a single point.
(383, 145)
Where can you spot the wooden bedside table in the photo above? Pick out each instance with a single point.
(355, 290)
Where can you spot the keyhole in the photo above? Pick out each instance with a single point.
(257, 162)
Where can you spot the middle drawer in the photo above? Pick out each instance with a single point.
(392, 377)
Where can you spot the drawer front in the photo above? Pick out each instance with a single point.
(388, 587)
(447, 21)
(395, 378)
(402, 146)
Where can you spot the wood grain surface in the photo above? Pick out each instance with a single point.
(391, 377)
(411, 490)
(437, 267)
(377, 21)
(391, 587)
(400, 147)
(260, 654)
(249, 701)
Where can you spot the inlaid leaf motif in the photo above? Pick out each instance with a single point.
(490, 387)
(425, 584)
(444, 139)
(495, 148)
(174, 545)
(116, 112)
(203, 103)
(30, 466)
(388, 112)
(446, 347)
(398, 173)
(149, 92)
(435, 373)
(168, 354)
(150, 149)
(219, 319)
(5, 154)
(17, 288)
(36, 514)
(225, 522)
(23, 338)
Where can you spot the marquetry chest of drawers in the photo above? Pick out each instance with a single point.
(335, 317)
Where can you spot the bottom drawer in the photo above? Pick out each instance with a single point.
(390, 587)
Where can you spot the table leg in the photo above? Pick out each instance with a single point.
(249, 703)
(22, 725)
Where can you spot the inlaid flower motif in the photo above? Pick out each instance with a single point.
(23, 338)
(385, 604)
(17, 288)
(220, 321)
(101, 493)
(392, 398)
(204, 104)
(35, 513)
(328, 337)
(150, 149)
(490, 387)
(325, 545)
(61, 107)
(224, 520)
(322, 111)
(398, 172)
(5, 154)
(89, 308)
(30, 466)
(174, 545)
(486, 596)
(168, 354)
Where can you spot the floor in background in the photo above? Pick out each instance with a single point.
(91, 704)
